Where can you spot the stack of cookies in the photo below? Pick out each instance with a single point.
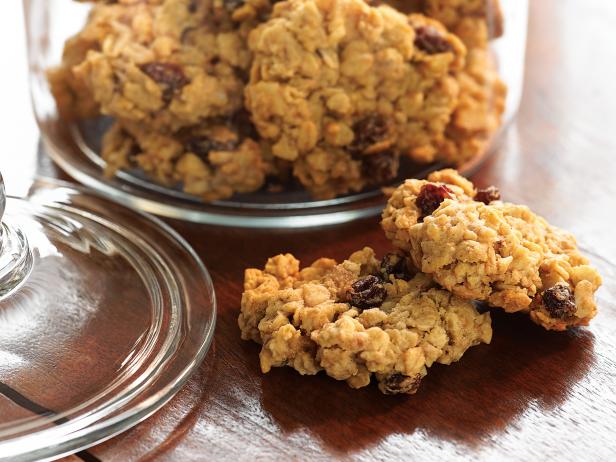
(219, 96)
(459, 251)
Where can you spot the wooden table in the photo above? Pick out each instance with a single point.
(529, 395)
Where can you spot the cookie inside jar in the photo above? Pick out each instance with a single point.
(220, 99)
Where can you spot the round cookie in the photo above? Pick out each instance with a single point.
(210, 161)
(482, 95)
(478, 114)
(482, 92)
(166, 64)
(342, 79)
(357, 319)
(480, 248)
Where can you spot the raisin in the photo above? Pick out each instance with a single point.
(429, 40)
(133, 153)
(202, 145)
(367, 292)
(370, 135)
(559, 301)
(243, 125)
(395, 265)
(168, 74)
(430, 197)
(400, 383)
(487, 195)
(380, 168)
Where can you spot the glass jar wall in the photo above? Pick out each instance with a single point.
(251, 113)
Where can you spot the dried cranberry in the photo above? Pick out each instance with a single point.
(380, 168)
(487, 195)
(367, 292)
(559, 301)
(430, 197)
(202, 145)
(368, 133)
(395, 265)
(429, 40)
(168, 74)
(400, 383)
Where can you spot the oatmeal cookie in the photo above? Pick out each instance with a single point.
(482, 94)
(344, 80)
(166, 64)
(480, 248)
(479, 111)
(357, 319)
(209, 161)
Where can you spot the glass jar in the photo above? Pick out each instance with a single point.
(243, 114)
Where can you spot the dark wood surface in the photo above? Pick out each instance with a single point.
(530, 395)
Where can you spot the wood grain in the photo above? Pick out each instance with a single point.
(530, 395)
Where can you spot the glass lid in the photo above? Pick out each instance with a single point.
(104, 313)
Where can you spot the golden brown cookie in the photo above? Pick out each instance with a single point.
(481, 101)
(480, 248)
(357, 319)
(478, 114)
(166, 64)
(210, 161)
(481, 104)
(337, 82)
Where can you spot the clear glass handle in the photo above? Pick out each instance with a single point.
(2, 203)
(15, 255)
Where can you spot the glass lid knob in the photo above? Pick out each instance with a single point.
(15, 254)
